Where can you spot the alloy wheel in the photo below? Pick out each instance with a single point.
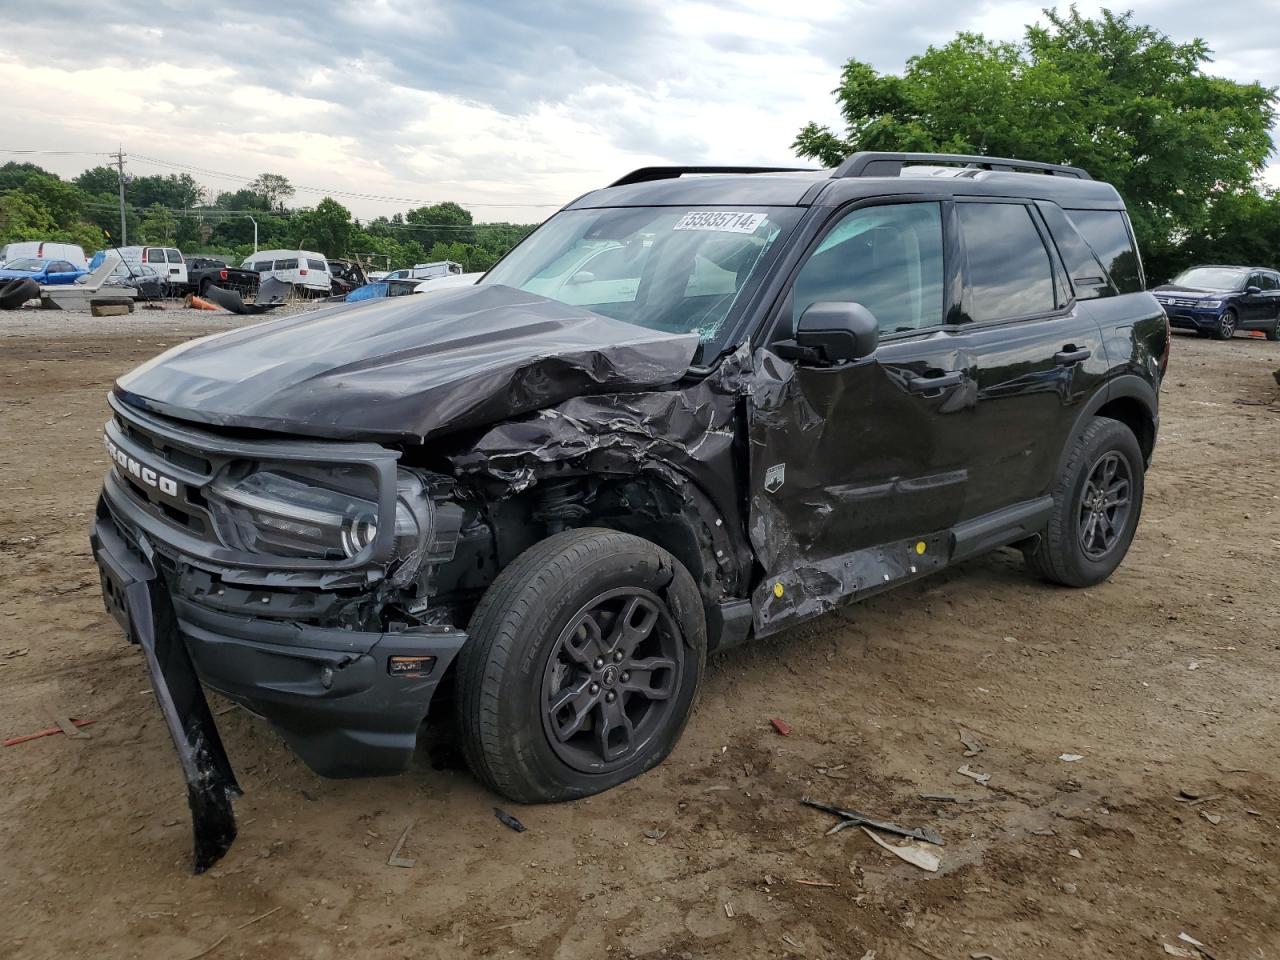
(610, 682)
(1104, 505)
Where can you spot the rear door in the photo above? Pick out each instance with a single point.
(1037, 353)
(176, 267)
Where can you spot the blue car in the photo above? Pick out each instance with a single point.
(41, 271)
(1217, 301)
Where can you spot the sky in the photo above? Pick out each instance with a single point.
(510, 108)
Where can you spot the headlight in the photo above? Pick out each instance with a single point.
(1210, 304)
(323, 513)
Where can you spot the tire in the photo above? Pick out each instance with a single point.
(1061, 554)
(205, 284)
(1274, 333)
(1226, 325)
(523, 652)
(14, 293)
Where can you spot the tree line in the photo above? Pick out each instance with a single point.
(1116, 97)
(175, 210)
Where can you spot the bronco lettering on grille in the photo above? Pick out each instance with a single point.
(140, 471)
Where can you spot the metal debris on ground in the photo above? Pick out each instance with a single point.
(1070, 757)
(395, 860)
(912, 852)
(781, 726)
(938, 797)
(507, 820)
(1213, 818)
(14, 741)
(973, 774)
(71, 730)
(728, 910)
(851, 818)
(972, 745)
(655, 834)
(1187, 938)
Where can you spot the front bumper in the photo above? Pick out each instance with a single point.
(1192, 318)
(331, 693)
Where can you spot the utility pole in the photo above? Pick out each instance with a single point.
(124, 229)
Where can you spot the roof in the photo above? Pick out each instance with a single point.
(864, 174)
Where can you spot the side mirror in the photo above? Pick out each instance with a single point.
(832, 332)
(1253, 291)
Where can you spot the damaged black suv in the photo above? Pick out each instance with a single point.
(698, 405)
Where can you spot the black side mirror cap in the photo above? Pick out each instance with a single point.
(833, 332)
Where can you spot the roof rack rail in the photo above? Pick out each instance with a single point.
(878, 164)
(649, 174)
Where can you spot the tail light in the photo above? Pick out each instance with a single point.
(144, 257)
(222, 274)
(302, 273)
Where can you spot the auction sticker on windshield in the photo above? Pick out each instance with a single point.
(725, 221)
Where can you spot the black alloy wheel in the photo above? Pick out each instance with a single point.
(610, 680)
(1104, 505)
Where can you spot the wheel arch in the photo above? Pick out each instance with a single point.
(1131, 400)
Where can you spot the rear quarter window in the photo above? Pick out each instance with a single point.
(1107, 232)
(317, 265)
(286, 264)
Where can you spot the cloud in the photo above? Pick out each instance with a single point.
(504, 103)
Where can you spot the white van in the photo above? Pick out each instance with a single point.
(425, 271)
(168, 262)
(302, 268)
(45, 250)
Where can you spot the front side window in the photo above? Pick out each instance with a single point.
(889, 259)
(676, 269)
(1009, 273)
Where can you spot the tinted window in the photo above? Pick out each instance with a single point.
(286, 264)
(175, 256)
(317, 265)
(1270, 282)
(1009, 272)
(1107, 231)
(889, 259)
(1088, 279)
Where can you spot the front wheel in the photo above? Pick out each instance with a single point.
(1226, 325)
(1274, 333)
(1096, 505)
(583, 662)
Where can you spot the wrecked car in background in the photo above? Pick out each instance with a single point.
(684, 411)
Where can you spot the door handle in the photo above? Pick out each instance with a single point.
(1070, 354)
(942, 381)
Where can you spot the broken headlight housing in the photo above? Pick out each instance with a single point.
(329, 512)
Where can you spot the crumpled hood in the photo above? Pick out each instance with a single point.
(406, 367)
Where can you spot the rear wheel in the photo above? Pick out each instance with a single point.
(584, 659)
(1274, 333)
(1226, 325)
(1096, 505)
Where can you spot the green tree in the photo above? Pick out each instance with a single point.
(274, 187)
(177, 191)
(1116, 97)
(158, 226)
(440, 223)
(327, 228)
(98, 180)
(23, 217)
(14, 175)
(64, 201)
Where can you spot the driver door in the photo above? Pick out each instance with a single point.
(858, 469)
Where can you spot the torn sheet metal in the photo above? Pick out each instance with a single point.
(684, 436)
(410, 368)
(271, 294)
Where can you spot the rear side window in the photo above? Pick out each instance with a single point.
(152, 255)
(317, 265)
(889, 259)
(1270, 282)
(1107, 232)
(286, 264)
(175, 256)
(1088, 278)
(1009, 271)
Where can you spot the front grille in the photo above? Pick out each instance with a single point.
(152, 456)
(1180, 302)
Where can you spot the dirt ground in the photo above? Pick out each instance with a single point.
(1163, 679)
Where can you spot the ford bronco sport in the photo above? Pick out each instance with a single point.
(698, 405)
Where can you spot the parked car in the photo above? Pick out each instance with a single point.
(1217, 301)
(424, 271)
(168, 262)
(42, 271)
(794, 390)
(306, 270)
(205, 272)
(447, 282)
(144, 278)
(346, 276)
(44, 250)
